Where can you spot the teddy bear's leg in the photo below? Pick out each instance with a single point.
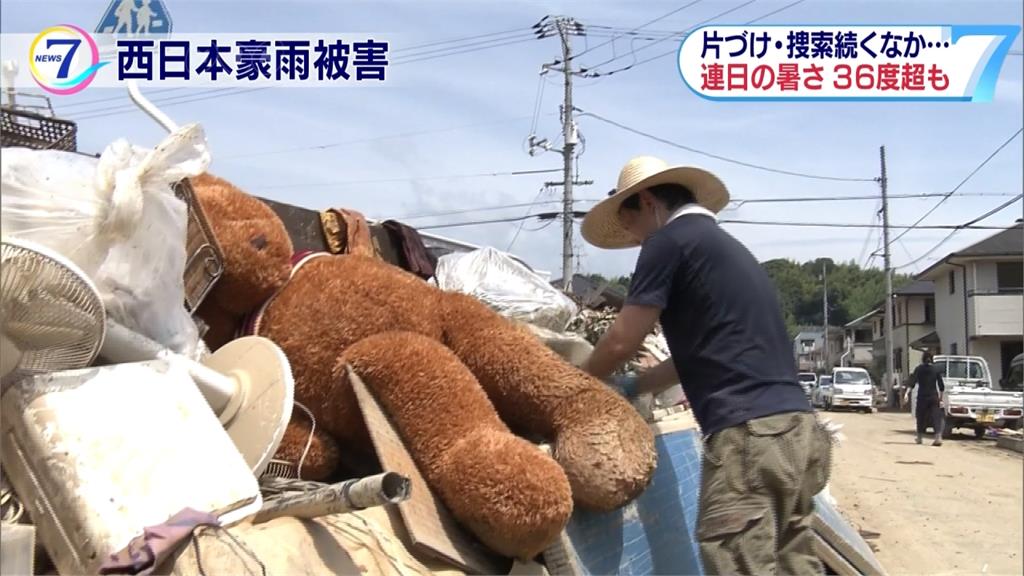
(509, 493)
(602, 443)
(319, 460)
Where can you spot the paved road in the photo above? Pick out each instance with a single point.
(954, 509)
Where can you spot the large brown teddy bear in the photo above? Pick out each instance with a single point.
(454, 377)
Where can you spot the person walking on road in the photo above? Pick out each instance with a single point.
(765, 454)
(927, 378)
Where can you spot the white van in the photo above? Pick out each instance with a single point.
(850, 388)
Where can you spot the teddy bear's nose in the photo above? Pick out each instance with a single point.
(259, 242)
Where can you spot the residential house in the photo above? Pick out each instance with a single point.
(593, 294)
(979, 299)
(913, 332)
(859, 341)
(809, 349)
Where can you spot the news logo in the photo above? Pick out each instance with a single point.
(64, 59)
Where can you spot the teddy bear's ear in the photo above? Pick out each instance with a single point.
(257, 248)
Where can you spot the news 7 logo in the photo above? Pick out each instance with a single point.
(64, 59)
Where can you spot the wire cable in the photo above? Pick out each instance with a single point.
(681, 32)
(958, 186)
(722, 158)
(640, 27)
(166, 104)
(675, 50)
(523, 221)
(413, 179)
(968, 225)
(328, 145)
(740, 202)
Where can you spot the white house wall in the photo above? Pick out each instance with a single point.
(949, 310)
(989, 349)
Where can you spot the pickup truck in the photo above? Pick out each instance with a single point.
(970, 401)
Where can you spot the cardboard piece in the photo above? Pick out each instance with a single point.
(432, 529)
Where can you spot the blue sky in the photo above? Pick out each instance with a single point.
(471, 113)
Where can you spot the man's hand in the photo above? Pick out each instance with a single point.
(625, 384)
(622, 340)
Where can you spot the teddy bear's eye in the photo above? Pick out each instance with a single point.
(259, 242)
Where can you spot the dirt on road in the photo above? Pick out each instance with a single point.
(954, 509)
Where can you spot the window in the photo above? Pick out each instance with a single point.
(897, 358)
(862, 336)
(952, 281)
(850, 376)
(929, 311)
(1009, 276)
(965, 369)
(952, 349)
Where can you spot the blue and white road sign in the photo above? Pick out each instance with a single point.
(135, 17)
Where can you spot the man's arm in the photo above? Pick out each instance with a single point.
(622, 340)
(658, 378)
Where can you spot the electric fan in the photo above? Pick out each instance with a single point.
(247, 383)
(51, 313)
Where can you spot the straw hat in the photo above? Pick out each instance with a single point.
(601, 226)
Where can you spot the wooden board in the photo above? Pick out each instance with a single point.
(431, 528)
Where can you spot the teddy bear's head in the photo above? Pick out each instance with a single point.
(256, 246)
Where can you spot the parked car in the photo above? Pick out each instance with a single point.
(850, 388)
(1014, 379)
(970, 401)
(818, 394)
(807, 380)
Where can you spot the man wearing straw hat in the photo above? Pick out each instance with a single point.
(765, 457)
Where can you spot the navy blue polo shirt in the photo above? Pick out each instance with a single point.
(722, 321)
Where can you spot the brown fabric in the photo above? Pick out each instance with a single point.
(514, 497)
(414, 253)
(146, 552)
(757, 495)
(603, 444)
(257, 248)
(346, 232)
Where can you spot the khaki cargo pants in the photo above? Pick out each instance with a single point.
(757, 486)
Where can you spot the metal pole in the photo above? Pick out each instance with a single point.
(824, 300)
(347, 496)
(569, 133)
(889, 369)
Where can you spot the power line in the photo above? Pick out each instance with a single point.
(417, 58)
(675, 51)
(414, 179)
(723, 158)
(682, 32)
(852, 225)
(644, 25)
(167, 103)
(523, 222)
(463, 39)
(551, 215)
(867, 240)
(336, 144)
(958, 186)
(739, 201)
(969, 225)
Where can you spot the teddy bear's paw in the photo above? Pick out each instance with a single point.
(319, 455)
(508, 492)
(609, 460)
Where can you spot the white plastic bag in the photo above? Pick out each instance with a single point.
(118, 219)
(507, 286)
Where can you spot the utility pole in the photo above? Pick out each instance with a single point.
(824, 300)
(889, 368)
(565, 26)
